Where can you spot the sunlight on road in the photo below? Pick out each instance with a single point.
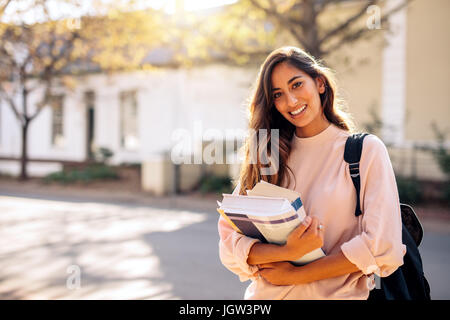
(41, 239)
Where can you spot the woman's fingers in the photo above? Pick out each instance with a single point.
(302, 227)
(266, 265)
(321, 228)
(307, 221)
(315, 233)
(318, 227)
(314, 224)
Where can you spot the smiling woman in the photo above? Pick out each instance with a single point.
(289, 80)
(296, 95)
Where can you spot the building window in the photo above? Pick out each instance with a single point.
(89, 99)
(129, 138)
(56, 103)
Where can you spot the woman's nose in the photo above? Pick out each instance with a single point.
(292, 100)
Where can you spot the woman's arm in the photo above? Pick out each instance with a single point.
(266, 253)
(284, 273)
(233, 251)
(327, 267)
(378, 249)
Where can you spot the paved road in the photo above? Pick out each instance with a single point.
(435, 251)
(65, 248)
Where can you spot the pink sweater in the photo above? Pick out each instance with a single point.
(371, 241)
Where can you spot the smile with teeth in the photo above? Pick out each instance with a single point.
(296, 112)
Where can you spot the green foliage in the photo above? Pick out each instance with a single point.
(88, 174)
(441, 154)
(104, 154)
(213, 183)
(409, 190)
(442, 157)
(446, 192)
(136, 165)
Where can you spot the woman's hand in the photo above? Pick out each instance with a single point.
(277, 273)
(304, 239)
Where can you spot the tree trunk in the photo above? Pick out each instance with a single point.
(25, 126)
(313, 46)
(24, 156)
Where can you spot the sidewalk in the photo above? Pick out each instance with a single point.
(127, 244)
(111, 192)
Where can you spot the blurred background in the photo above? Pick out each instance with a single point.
(121, 124)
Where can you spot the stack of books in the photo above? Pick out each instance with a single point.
(268, 213)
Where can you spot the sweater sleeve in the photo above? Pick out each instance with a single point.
(379, 248)
(234, 249)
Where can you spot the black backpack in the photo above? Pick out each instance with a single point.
(408, 281)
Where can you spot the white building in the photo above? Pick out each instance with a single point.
(136, 115)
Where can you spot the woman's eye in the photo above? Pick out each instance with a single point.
(276, 95)
(297, 84)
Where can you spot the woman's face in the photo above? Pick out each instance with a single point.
(296, 97)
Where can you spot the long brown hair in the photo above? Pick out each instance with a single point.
(263, 115)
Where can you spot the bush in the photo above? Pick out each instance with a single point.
(442, 157)
(103, 155)
(446, 192)
(219, 184)
(88, 174)
(409, 190)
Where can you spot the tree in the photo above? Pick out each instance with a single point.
(34, 57)
(250, 29)
(29, 54)
(3, 5)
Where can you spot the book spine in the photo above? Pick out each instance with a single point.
(245, 224)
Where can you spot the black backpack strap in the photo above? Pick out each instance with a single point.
(352, 155)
